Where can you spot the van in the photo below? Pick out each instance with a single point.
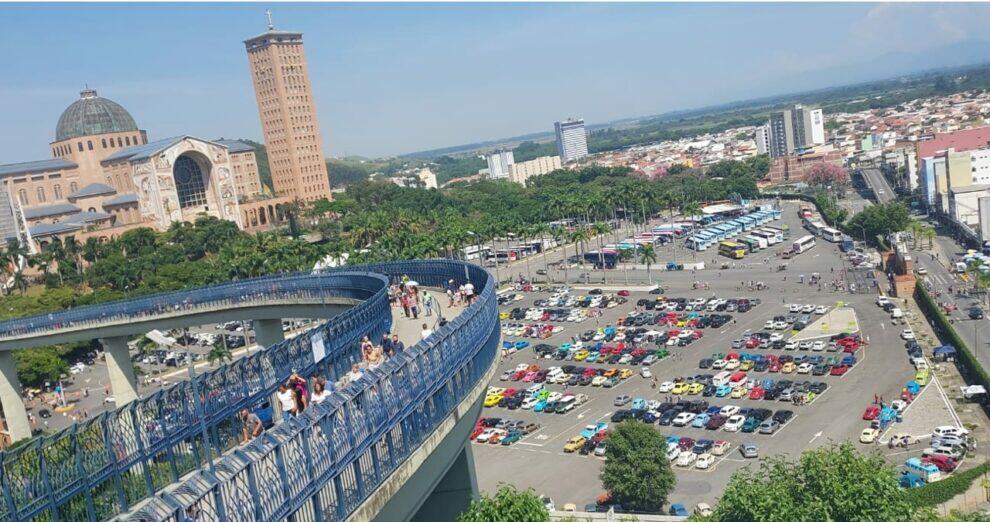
(737, 380)
(960, 267)
(721, 378)
(566, 404)
(928, 472)
(919, 363)
(882, 300)
(896, 313)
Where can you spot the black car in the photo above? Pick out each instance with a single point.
(621, 415)
(657, 291)
(667, 417)
(782, 416)
(976, 313)
(818, 387)
(697, 406)
(761, 413)
(821, 369)
(705, 364)
(709, 390)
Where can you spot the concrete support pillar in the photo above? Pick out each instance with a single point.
(453, 494)
(122, 378)
(268, 332)
(14, 413)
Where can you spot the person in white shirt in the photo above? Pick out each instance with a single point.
(426, 331)
(319, 394)
(469, 292)
(354, 374)
(286, 401)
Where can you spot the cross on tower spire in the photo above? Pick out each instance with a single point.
(271, 25)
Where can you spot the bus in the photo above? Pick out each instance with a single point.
(609, 257)
(770, 237)
(804, 212)
(731, 249)
(761, 242)
(815, 227)
(471, 252)
(831, 235)
(751, 243)
(803, 244)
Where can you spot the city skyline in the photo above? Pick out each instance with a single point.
(398, 79)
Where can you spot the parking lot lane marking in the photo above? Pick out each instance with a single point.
(819, 434)
(945, 399)
(782, 428)
(530, 444)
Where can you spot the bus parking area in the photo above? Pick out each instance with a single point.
(550, 460)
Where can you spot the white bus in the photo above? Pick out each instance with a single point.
(803, 244)
(770, 237)
(831, 235)
(815, 227)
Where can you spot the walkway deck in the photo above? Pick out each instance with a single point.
(835, 322)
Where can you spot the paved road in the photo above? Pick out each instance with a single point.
(835, 416)
(881, 189)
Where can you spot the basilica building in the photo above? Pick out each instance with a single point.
(106, 177)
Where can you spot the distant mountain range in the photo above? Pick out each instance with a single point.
(805, 88)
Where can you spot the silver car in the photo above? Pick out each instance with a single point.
(749, 450)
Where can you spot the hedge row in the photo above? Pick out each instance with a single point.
(966, 359)
(938, 492)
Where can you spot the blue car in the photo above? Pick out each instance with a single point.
(673, 439)
(519, 345)
(849, 360)
(910, 480)
(701, 420)
(639, 404)
(678, 510)
(540, 406)
(592, 357)
(723, 390)
(712, 410)
(590, 431)
(767, 384)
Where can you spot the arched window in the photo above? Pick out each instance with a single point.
(79, 143)
(104, 140)
(189, 182)
(41, 194)
(89, 144)
(22, 196)
(58, 191)
(127, 140)
(120, 142)
(73, 188)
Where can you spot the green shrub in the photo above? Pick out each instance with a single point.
(948, 334)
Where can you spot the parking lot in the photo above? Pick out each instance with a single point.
(539, 461)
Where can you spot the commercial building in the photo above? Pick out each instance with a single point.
(420, 178)
(572, 140)
(793, 129)
(795, 168)
(288, 114)
(106, 177)
(524, 170)
(952, 159)
(500, 164)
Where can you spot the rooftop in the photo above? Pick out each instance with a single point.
(145, 151)
(235, 146)
(961, 140)
(93, 189)
(36, 166)
(121, 199)
(50, 210)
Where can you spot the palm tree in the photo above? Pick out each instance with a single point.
(219, 352)
(914, 227)
(928, 232)
(560, 235)
(648, 256)
(600, 229)
(625, 254)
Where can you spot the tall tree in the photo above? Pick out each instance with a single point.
(507, 505)
(636, 471)
(648, 256)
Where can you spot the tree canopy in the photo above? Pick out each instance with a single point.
(637, 472)
(507, 505)
(879, 219)
(832, 483)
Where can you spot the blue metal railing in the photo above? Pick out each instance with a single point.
(318, 466)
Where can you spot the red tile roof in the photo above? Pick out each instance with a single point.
(968, 139)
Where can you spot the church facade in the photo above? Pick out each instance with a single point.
(106, 177)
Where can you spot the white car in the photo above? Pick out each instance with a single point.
(777, 336)
(672, 452)
(768, 325)
(665, 387)
(646, 373)
(821, 310)
(731, 364)
(805, 345)
(718, 364)
(598, 380)
(818, 346)
(729, 410)
(791, 345)
(942, 431)
(734, 423)
(869, 435)
(683, 419)
(898, 405)
(703, 510)
(808, 308)
(907, 335)
(704, 461)
(686, 459)
(882, 300)
(794, 308)
(625, 359)
(780, 325)
(529, 402)
(554, 396)
(805, 368)
(488, 434)
(522, 367)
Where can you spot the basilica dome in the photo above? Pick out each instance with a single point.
(91, 115)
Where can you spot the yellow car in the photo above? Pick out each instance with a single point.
(610, 372)
(503, 315)
(679, 388)
(695, 388)
(788, 367)
(923, 377)
(625, 373)
(492, 400)
(581, 355)
(574, 444)
(739, 392)
(746, 366)
(681, 323)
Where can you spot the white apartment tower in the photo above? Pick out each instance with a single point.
(500, 164)
(572, 141)
(763, 139)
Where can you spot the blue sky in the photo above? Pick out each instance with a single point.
(395, 78)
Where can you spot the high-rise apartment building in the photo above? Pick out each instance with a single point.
(572, 141)
(763, 139)
(500, 164)
(288, 114)
(793, 129)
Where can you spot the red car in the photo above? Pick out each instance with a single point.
(871, 413)
(757, 393)
(590, 372)
(623, 293)
(697, 334)
(686, 443)
(772, 359)
(840, 370)
(477, 431)
(851, 348)
(509, 392)
(944, 463)
(752, 342)
(774, 367)
(731, 355)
